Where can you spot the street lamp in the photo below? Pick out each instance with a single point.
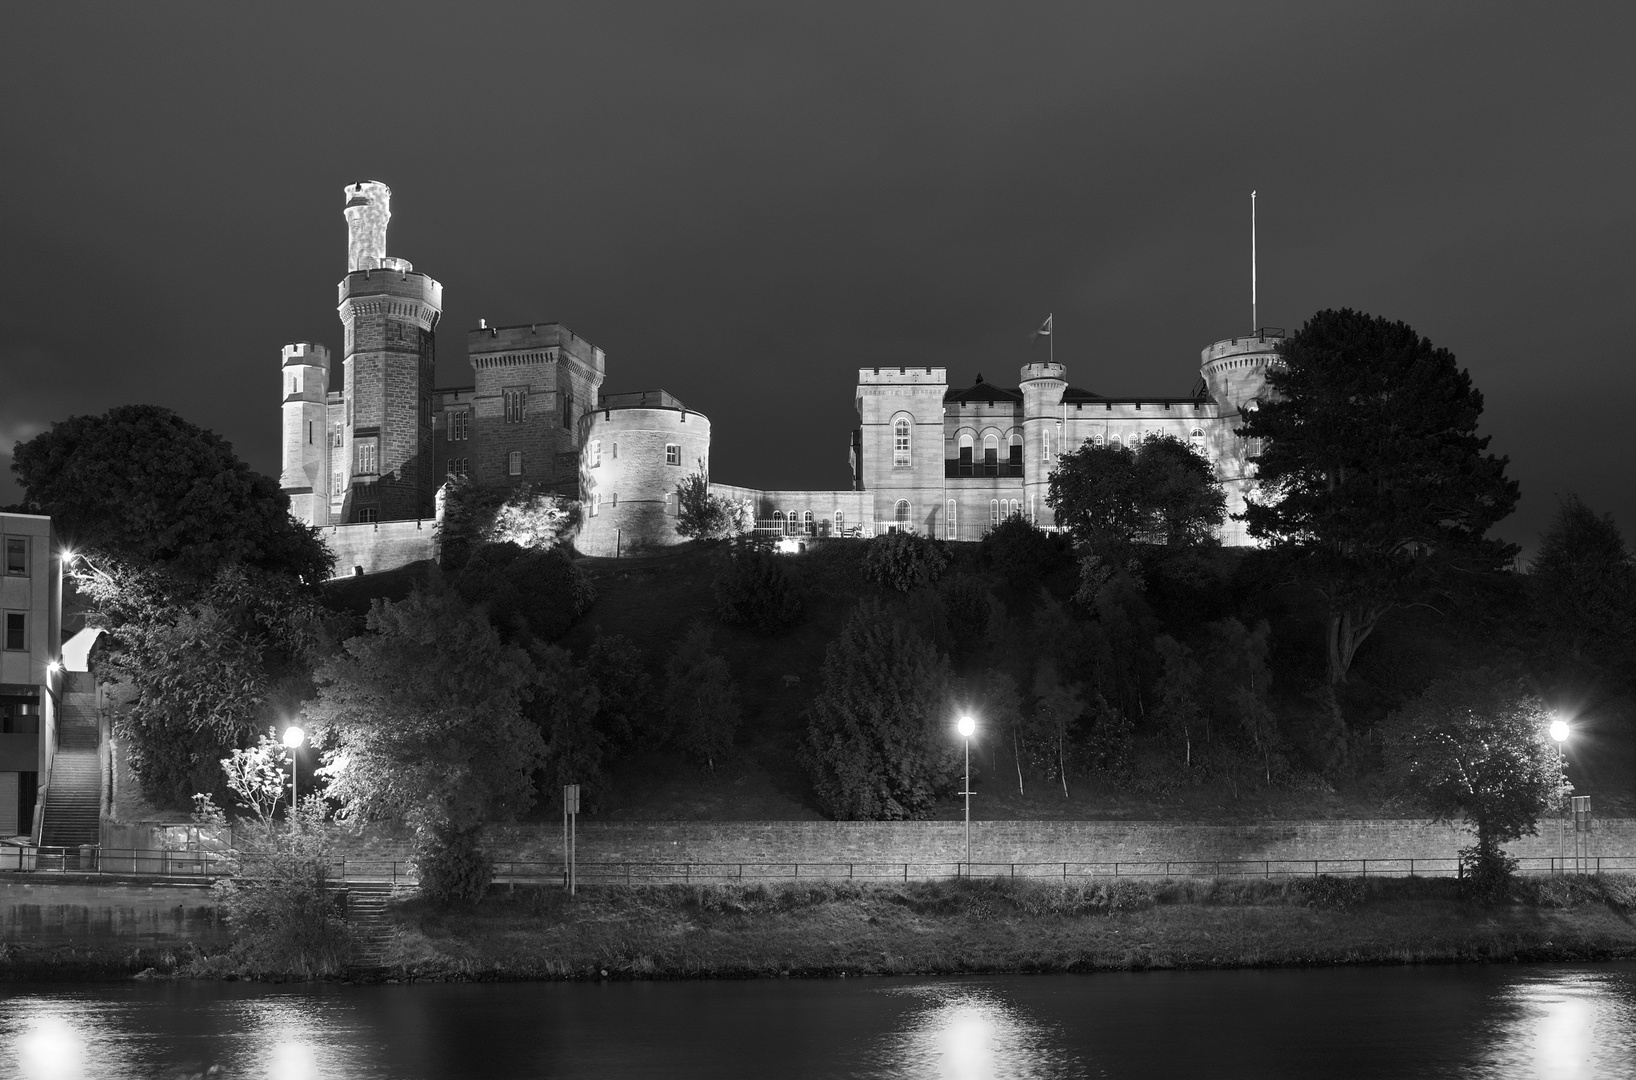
(1559, 732)
(967, 726)
(293, 738)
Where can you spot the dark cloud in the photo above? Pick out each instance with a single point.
(744, 203)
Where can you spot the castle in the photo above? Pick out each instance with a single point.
(364, 463)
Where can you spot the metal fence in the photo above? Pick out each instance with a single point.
(205, 865)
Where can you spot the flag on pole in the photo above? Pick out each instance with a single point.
(1045, 328)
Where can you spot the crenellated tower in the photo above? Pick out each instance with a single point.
(390, 314)
(1042, 386)
(305, 476)
(1235, 374)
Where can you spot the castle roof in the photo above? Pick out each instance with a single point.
(985, 392)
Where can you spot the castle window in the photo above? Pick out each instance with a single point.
(900, 443)
(1014, 454)
(335, 485)
(457, 425)
(778, 521)
(991, 455)
(1097, 441)
(1196, 438)
(1045, 448)
(425, 412)
(965, 453)
(993, 512)
(596, 453)
(948, 523)
(673, 454)
(365, 514)
(807, 525)
(567, 409)
(17, 631)
(900, 515)
(596, 504)
(514, 463)
(365, 458)
(516, 405)
(1016, 508)
(840, 523)
(16, 556)
(1113, 442)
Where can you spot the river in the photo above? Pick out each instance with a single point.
(1468, 1021)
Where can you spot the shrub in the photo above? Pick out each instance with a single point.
(535, 591)
(1020, 551)
(755, 590)
(277, 902)
(903, 560)
(455, 870)
(701, 699)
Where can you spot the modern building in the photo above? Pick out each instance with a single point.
(365, 461)
(30, 667)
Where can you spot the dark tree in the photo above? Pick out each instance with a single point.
(701, 699)
(755, 590)
(1373, 478)
(139, 483)
(529, 592)
(1584, 583)
(1162, 493)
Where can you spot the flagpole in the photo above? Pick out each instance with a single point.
(1254, 316)
(1051, 319)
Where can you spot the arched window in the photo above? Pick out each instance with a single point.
(900, 516)
(1016, 508)
(1196, 439)
(948, 523)
(514, 463)
(1097, 441)
(778, 521)
(1113, 442)
(994, 511)
(965, 453)
(900, 442)
(807, 525)
(991, 455)
(1014, 453)
(840, 522)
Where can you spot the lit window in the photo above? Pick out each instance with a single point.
(807, 525)
(596, 504)
(596, 453)
(16, 631)
(457, 425)
(1196, 439)
(1045, 449)
(514, 463)
(1097, 442)
(900, 442)
(673, 454)
(16, 555)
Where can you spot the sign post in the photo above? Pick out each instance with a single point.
(1581, 807)
(570, 830)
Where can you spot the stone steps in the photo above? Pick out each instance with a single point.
(371, 926)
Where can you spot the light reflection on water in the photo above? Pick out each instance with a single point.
(1488, 1022)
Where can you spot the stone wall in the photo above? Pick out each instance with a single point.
(379, 546)
(59, 912)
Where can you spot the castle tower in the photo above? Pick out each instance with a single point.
(899, 449)
(532, 387)
(1235, 373)
(305, 476)
(390, 314)
(1042, 388)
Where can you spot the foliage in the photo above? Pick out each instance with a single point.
(1164, 493)
(141, 484)
(1001, 712)
(1020, 551)
(701, 700)
(529, 592)
(525, 516)
(455, 870)
(1476, 746)
(256, 775)
(424, 720)
(1584, 583)
(1372, 475)
(624, 688)
(1236, 689)
(1178, 710)
(879, 737)
(566, 706)
(970, 611)
(903, 560)
(703, 516)
(1058, 706)
(755, 590)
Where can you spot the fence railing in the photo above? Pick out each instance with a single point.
(206, 865)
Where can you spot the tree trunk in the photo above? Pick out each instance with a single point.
(1016, 755)
(1348, 628)
(1062, 766)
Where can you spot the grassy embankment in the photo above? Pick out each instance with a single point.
(1003, 926)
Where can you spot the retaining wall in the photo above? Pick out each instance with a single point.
(381, 545)
(90, 912)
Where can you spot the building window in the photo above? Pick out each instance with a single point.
(991, 455)
(1014, 454)
(948, 523)
(457, 466)
(349, 412)
(596, 504)
(16, 631)
(1196, 439)
(900, 442)
(778, 522)
(807, 524)
(900, 515)
(1045, 448)
(596, 453)
(673, 454)
(1016, 508)
(336, 486)
(363, 515)
(840, 523)
(994, 511)
(457, 425)
(365, 457)
(17, 556)
(567, 409)
(425, 412)
(1097, 441)
(965, 453)
(1113, 442)
(516, 405)
(514, 463)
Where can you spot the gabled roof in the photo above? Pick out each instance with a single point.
(983, 392)
(1074, 393)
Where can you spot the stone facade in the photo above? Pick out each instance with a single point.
(939, 460)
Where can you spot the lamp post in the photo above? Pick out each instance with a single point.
(1559, 732)
(967, 726)
(293, 738)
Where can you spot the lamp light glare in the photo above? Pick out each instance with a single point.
(1559, 730)
(967, 726)
(294, 736)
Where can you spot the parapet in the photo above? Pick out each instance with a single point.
(306, 354)
(903, 375)
(498, 346)
(401, 284)
(1264, 340)
(1058, 372)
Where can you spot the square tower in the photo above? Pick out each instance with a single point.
(533, 387)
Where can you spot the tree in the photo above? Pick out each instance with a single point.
(1178, 708)
(423, 722)
(1237, 682)
(701, 699)
(1162, 493)
(625, 702)
(903, 560)
(1584, 583)
(879, 735)
(1058, 707)
(1020, 551)
(1002, 712)
(524, 516)
(1373, 480)
(139, 483)
(703, 516)
(566, 705)
(1476, 746)
(755, 590)
(529, 592)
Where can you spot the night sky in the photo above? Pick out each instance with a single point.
(743, 204)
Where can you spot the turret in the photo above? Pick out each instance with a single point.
(305, 473)
(1042, 386)
(1235, 374)
(368, 210)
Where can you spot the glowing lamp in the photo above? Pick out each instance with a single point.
(294, 736)
(967, 726)
(1559, 730)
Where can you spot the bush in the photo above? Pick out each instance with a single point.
(455, 870)
(533, 591)
(701, 699)
(1021, 551)
(755, 590)
(284, 919)
(903, 560)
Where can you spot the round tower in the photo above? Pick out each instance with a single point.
(636, 449)
(390, 315)
(1042, 386)
(306, 469)
(1235, 374)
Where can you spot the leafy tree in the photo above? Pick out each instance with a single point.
(1236, 686)
(755, 590)
(1372, 476)
(256, 775)
(701, 699)
(529, 592)
(1584, 582)
(903, 560)
(1476, 746)
(566, 706)
(879, 743)
(1164, 492)
(1002, 712)
(703, 516)
(423, 717)
(1020, 551)
(625, 699)
(1178, 709)
(525, 516)
(139, 483)
(1058, 707)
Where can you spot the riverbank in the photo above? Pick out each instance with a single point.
(999, 926)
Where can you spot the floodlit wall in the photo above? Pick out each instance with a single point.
(378, 546)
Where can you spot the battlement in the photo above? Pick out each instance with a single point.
(400, 284)
(642, 399)
(903, 376)
(545, 342)
(1265, 340)
(306, 354)
(1058, 372)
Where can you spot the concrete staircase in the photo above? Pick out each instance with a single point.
(371, 927)
(73, 802)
